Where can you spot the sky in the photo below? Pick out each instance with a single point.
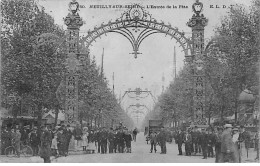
(156, 60)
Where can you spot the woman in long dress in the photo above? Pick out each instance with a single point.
(85, 139)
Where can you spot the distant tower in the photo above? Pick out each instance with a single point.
(163, 79)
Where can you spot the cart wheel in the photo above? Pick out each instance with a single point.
(27, 151)
(10, 151)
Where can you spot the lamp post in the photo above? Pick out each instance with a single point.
(197, 23)
(73, 22)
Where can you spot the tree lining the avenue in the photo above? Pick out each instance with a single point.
(232, 64)
(34, 65)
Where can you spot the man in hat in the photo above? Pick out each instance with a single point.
(62, 141)
(134, 134)
(103, 140)
(68, 134)
(162, 140)
(244, 141)
(179, 140)
(16, 141)
(34, 141)
(204, 142)
(24, 135)
(211, 142)
(45, 147)
(218, 143)
(111, 139)
(5, 139)
(195, 139)
(153, 141)
(227, 145)
(77, 133)
(188, 142)
(235, 136)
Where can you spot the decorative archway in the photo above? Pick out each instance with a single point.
(144, 25)
(137, 20)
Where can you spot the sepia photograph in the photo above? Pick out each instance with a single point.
(129, 81)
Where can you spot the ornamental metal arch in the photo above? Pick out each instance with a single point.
(142, 23)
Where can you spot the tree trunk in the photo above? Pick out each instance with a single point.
(39, 111)
(91, 121)
(56, 116)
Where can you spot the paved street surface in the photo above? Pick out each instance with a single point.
(140, 154)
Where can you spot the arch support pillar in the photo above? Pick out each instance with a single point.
(73, 22)
(197, 24)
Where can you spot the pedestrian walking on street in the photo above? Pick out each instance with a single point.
(45, 147)
(68, 134)
(54, 146)
(121, 141)
(218, 144)
(162, 140)
(235, 136)
(153, 141)
(111, 140)
(34, 138)
(188, 142)
(61, 138)
(128, 140)
(77, 133)
(179, 140)
(204, 142)
(227, 146)
(17, 141)
(134, 134)
(103, 141)
(195, 139)
(5, 139)
(85, 139)
(244, 141)
(211, 143)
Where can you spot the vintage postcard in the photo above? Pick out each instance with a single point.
(130, 81)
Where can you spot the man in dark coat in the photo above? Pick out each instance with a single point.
(24, 136)
(62, 141)
(98, 140)
(5, 139)
(128, 139)
(77, 133)
(111, 139)
(103, 141)
(195, 139)
(68, 134)
(228, 146)
(218, 144)
(244, 141)
(34, 141)
(188, 143)
(121, 141)
(134, 134)
(45, 147)
(153, 141)
(162, 140)
(179, 140)
(211, 143)
(204, 142)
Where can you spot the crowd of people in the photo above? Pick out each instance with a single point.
(56, 141)
(224, 143)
